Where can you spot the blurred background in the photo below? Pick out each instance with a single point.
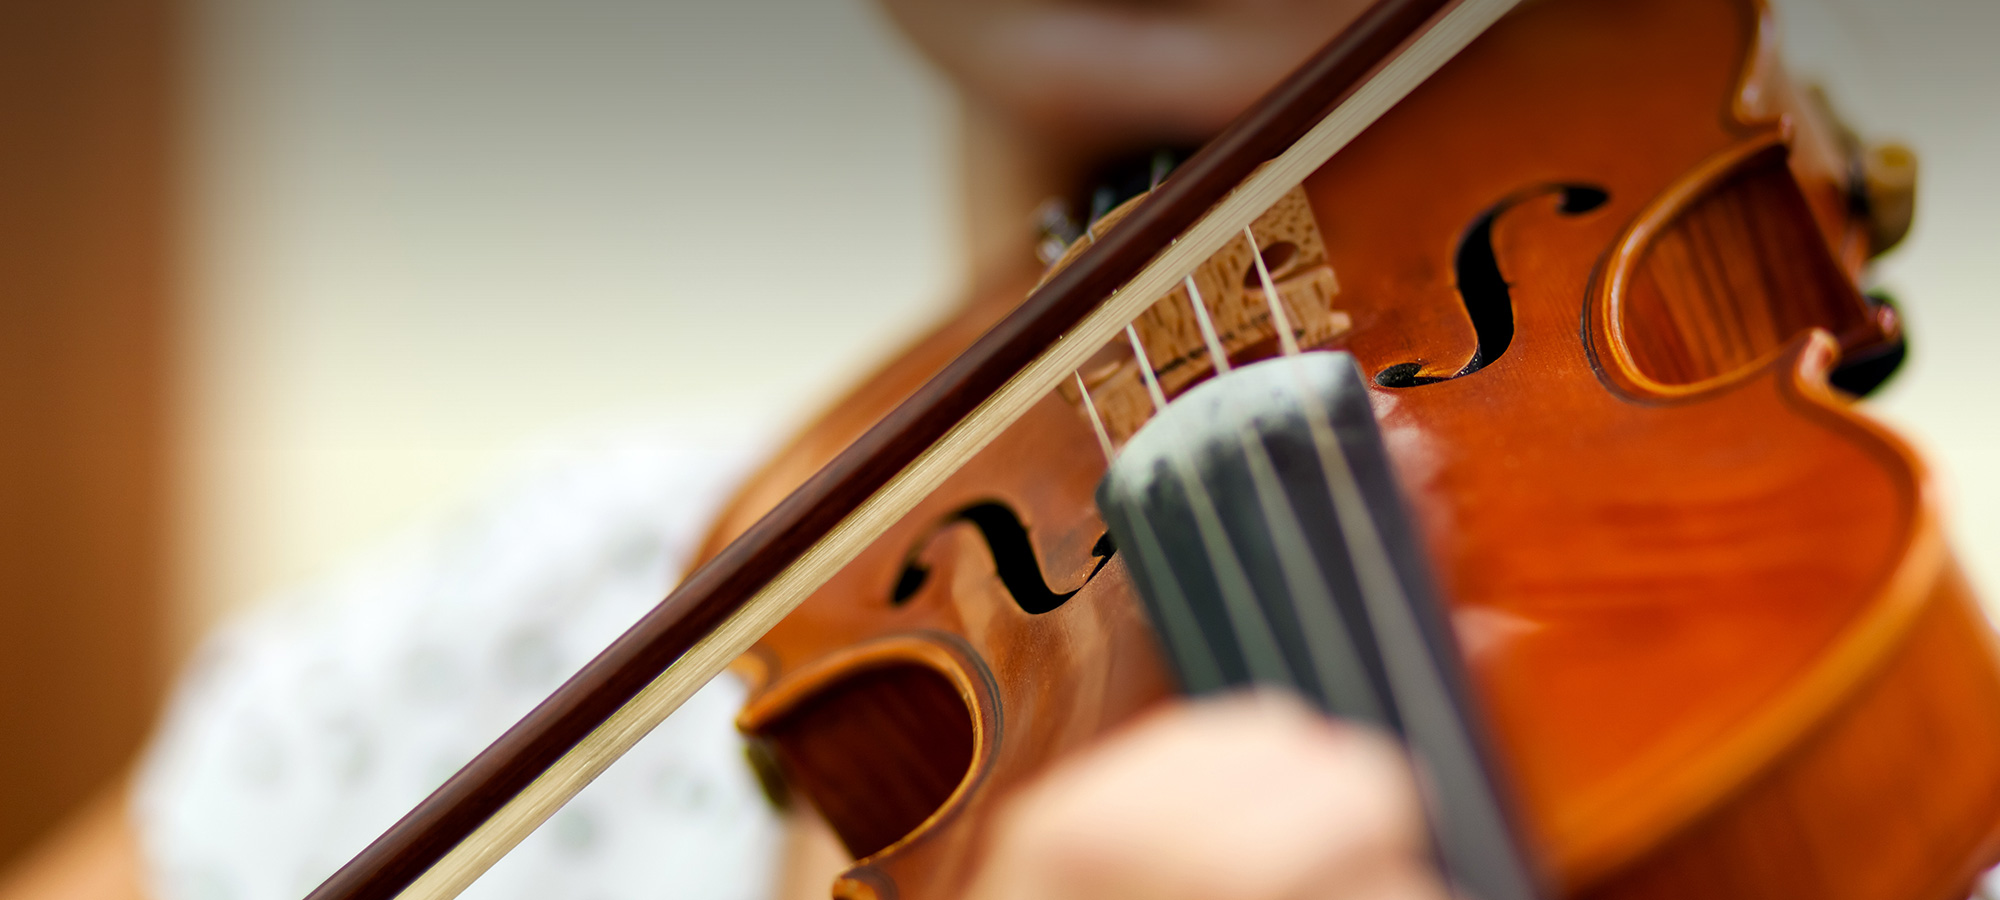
(280, 276)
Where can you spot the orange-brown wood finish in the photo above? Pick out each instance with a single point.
(90, 94)
(1716, 631)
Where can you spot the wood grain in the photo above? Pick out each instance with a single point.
(1699, 615)
(1736, 273)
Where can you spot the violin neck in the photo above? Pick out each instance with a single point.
(1264, 530)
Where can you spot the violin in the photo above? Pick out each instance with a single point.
(1546, 318)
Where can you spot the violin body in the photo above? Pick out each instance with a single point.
(1600, 268)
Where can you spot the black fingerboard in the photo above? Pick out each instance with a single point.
(1265, 531)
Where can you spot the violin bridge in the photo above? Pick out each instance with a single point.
(1234, 297)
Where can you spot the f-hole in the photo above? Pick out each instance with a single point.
(1484, 290)
(1013, 559)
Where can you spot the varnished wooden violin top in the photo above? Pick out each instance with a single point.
(1600, 268)
(1598, 263)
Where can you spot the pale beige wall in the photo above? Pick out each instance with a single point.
(431, 232)
(1925, 71)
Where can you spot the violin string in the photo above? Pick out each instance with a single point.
(1288, 343)
(1089, 403)
(1382, 592)
(1216, 354)
(1416, 689)
(1431, 722)
(442, 871)
(1146, 370)
(1330, 649)
(1195, 655)
(1096, 422)
(1334, 672)
(1251, 623)
(1432, 725)
(1256, 641)
(1331, 653)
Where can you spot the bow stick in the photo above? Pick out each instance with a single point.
(514, 785)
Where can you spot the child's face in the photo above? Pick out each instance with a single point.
(1110, 74)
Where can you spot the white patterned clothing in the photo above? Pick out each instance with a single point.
(306, 728)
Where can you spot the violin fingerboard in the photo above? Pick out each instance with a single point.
(1264, 530)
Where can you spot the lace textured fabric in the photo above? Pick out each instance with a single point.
(307, 726)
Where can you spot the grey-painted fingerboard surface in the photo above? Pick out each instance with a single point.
(1264, 530)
